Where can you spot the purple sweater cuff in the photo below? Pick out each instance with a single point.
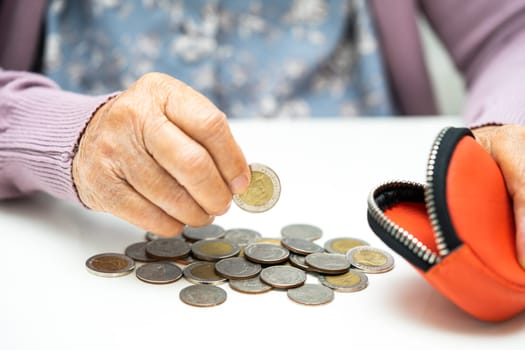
(40, 126)
(497, 95)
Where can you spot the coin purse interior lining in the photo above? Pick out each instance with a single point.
(481, 273)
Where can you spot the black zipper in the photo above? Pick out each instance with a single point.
(432, 194)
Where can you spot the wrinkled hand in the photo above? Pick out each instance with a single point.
(506, 144)
(159, 155)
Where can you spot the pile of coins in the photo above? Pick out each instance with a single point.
(209, 256)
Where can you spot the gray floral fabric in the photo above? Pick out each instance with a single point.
(252, 58)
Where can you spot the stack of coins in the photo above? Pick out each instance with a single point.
(208, 260)
(209, 256)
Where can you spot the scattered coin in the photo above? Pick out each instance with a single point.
(110, 264)
(202, 272)
(211, 231)
(266, 253)
(203, 295)
(237, 268)
(250, 286)
(283, 276)
(328, 263)
(214, 249)
(275, 241)
(137, 252)
(159, 272)
(370, 259)
(150, 236)
(343, 244)
(264, 190)
(352, 281)
(241, 236)
(168, 248)
(304, 231)
(311, 294)
(301, 246)
(299, 262)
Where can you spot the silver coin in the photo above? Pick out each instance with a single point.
(211, 231)
(250, 286)
(351, 281)
(263, 192)
(370, 259)
(328, 263)
(237, 268)
(168, 248)
(214, 249)
(311, 294)
(342, 245)
(137, 252)
(202, 295)
(283, 276)
(110, 264)
(299, 262)
(266, 253)
(202, 272)
(304, 231)
(161, 272)
(150, 236)
(242, 236)
(301, 246)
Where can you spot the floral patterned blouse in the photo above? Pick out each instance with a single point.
(252, 58)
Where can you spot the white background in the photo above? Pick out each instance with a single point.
(327, 168)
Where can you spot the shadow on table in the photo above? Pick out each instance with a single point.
(417, 300)
(65, 220)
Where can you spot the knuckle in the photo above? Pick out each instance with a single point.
(220, 206)
(215, 123)
(195, 160)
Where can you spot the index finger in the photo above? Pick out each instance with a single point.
(200, 119)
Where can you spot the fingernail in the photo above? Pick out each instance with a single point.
(239, 184)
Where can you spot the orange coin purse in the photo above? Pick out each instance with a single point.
(457, 230)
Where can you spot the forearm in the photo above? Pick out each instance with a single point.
(40, 126)
(497, 93)
(486, 40)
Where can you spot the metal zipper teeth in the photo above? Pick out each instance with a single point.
(430, 199)
(400, 234)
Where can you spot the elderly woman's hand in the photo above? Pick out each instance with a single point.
(506, 144)
(160, 156)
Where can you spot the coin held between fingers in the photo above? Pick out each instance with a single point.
(263, 192)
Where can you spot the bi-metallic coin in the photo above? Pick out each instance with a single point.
(203, 272)
(370, 259)
(263, 192)
(214, 249)
(352, 281)
(110, 264)
(343, 244)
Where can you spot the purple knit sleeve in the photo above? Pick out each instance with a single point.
(40, 126)
(486, 39)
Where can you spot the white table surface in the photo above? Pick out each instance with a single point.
(48, 300)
